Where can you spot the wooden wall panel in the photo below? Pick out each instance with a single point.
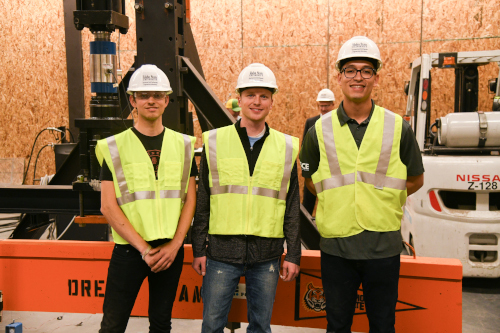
(401, 21)
(451, 19)
(285, 22)
(348, 19)
(33, 79)
(216, 24)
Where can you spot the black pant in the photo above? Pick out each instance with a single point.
(341, 279)
(308, 200)
(126, 274)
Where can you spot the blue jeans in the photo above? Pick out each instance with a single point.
(219, 284)
(126, 274)
(341, 279)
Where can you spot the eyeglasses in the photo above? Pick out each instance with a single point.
(366, 73)
(157, 95)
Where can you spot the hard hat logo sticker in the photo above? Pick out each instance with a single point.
(359, 47)
(150, 79)
(256, 76)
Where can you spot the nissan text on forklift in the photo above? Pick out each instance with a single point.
(456, 214)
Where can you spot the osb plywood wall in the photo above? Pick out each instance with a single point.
(298, 40)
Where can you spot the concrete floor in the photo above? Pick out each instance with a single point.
(481, 313)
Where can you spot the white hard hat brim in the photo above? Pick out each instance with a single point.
(131, 92)
(250, 85)
(354, 55)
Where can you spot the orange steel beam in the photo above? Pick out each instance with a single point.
(91, 219)
(70, 276)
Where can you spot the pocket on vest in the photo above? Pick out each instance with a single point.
(231, 171)
(173, 173)
(137, 176)
(271, 174)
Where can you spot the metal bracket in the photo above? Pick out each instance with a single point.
(483, 128)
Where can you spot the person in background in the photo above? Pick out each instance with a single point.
(233, 108)
(325, 103)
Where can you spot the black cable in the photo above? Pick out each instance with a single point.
(36, 160)
(63, 135)
(31, 154)
(72, 138)
(33, 147)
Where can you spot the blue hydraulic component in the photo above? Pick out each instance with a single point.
(103, 64)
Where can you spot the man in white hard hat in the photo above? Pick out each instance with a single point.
(325, 103)
(148, 197)
(363, 162)
(248, 204)
(233, 108)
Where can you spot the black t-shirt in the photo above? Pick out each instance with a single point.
(367, 244)
(152, 144)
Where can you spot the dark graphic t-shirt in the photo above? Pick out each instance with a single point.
(152, 144)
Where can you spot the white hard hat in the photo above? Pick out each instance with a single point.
(359, 47)
(149, 78)
(256, 75)
(325, 95)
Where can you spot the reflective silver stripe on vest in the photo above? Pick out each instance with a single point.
(288, 167)
(239, 189)
(379, 180)
(266, 192)
(117, 165)
(337, 179)
(329, 140)
(187, 164)
(131, 197)
(385, 153)
(170, 194)
(333, 182)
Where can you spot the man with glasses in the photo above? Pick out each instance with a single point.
(325, 103)
(363, 162)
(148, 197)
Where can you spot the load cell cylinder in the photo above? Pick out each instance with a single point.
(103, 64)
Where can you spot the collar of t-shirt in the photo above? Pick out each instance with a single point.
(147, 137)
(251, 153)
(254, 139)
(344, 118)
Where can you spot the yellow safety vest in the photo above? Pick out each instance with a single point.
(359, 189)
(244, 205)
(153, 206)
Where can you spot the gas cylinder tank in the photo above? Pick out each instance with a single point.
(461, 130)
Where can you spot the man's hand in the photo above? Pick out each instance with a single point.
(290, 271)
(200, 265)
(161, 257)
